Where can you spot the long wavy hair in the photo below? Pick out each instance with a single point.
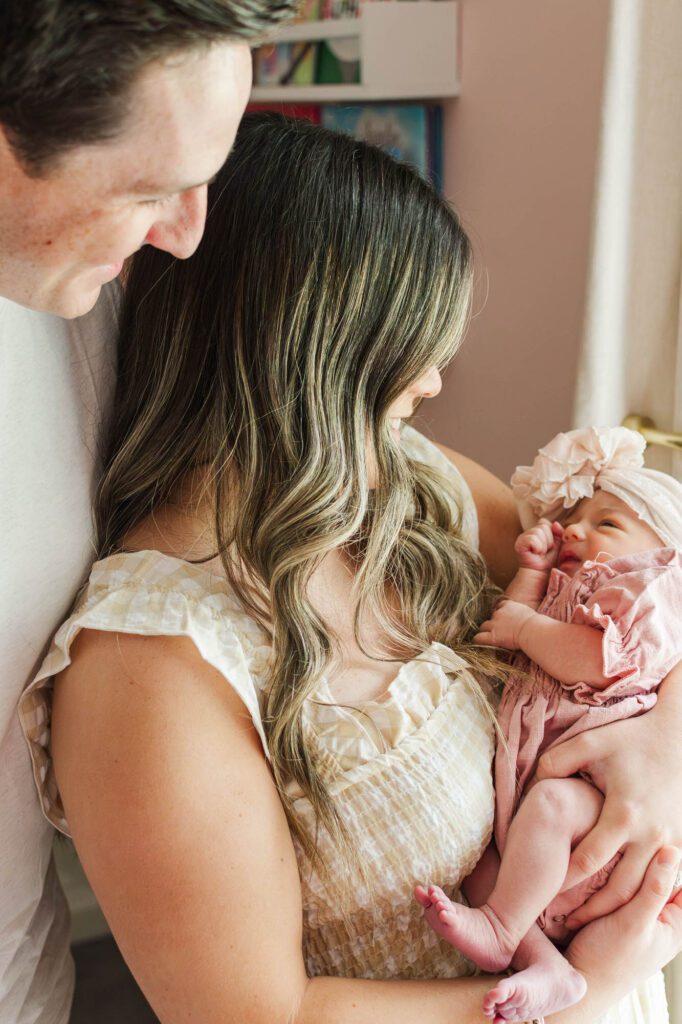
(330, 278)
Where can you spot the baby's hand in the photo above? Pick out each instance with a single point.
(538, 548)
(504, 628)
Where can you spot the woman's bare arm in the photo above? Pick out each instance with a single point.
(179, 829)
(183, 838)
(498, 521)
(182, 835)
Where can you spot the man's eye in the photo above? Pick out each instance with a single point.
(155, 202)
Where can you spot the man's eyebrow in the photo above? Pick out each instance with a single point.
(148, 188)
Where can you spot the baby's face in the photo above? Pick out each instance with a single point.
(603, 525)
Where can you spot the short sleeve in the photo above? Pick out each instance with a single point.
(147, 594)
(639, 612)
(420, 449)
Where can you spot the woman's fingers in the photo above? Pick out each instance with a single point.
(567, 758)
(622, 949)
(622, 885)
(672, 914)
(607, 837)
(659, 879)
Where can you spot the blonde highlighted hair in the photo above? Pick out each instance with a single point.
(329, 279)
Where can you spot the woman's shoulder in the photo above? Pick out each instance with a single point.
(154, 620)
(151, 593)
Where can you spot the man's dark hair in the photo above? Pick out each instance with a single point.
(67, 66)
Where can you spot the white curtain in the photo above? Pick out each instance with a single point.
(631, 359)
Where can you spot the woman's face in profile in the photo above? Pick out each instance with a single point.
(428, 385)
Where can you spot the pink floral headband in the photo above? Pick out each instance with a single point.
(575, 464)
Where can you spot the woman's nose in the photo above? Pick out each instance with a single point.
(430, 384)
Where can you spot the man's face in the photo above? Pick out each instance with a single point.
(64, 235)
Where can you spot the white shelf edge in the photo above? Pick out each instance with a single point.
(408, 51)
(308, 31)
(343, 94)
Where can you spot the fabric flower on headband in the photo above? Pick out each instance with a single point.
(565, 470)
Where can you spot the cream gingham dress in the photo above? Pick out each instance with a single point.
(410, 771)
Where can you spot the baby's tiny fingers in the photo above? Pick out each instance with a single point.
(484, 639)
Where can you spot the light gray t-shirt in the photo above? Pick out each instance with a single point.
(56, 382)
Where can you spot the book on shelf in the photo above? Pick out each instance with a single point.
(285, 63)
(329, 62)
(411, 132)
(307, 111)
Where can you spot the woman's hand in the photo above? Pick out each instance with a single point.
(639, 938)
(503, 628)
(637, 764)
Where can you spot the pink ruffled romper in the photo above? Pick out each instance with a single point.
(636, 600)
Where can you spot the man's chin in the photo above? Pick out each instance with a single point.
(72, 304)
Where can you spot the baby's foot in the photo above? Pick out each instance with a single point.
(543, 988)
(478, 933)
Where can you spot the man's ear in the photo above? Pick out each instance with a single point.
(10, 164)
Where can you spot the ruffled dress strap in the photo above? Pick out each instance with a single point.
(147, 593)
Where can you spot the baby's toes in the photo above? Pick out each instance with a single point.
(491, 1000)
(499, 1003)
(437, 896)
(422, 897)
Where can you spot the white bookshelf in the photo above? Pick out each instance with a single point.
(407, 50)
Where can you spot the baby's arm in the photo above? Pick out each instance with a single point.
(572, 653)
(536, 550)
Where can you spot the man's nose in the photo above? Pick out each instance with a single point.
(179, 230)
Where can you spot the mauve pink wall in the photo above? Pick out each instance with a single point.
(520, 159)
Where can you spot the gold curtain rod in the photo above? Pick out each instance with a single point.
(650, 432)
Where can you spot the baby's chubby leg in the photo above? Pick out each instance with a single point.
(553, 817)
